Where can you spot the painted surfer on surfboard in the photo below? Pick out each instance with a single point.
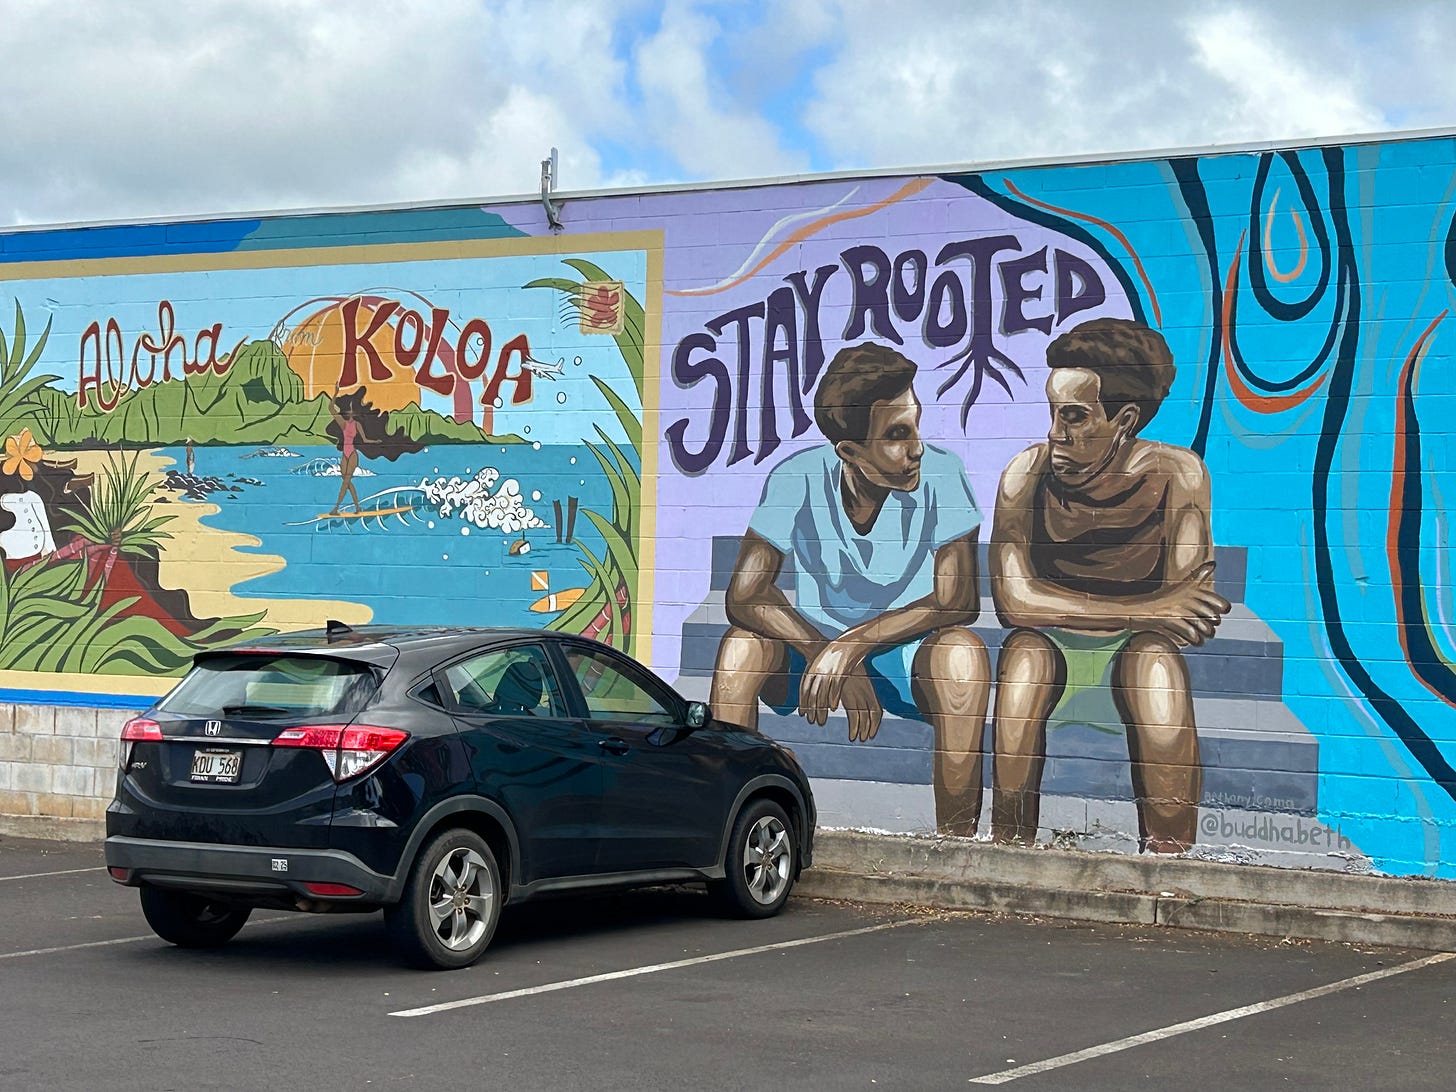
(358, 428)
(351, 434)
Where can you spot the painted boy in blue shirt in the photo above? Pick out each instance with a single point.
(882, 530)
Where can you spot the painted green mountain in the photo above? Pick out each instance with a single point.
(258, 400)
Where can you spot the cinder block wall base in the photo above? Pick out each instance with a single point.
(57, 768)
(58, 773)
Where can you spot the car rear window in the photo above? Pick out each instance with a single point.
(253, 685)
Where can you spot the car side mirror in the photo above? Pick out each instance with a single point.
(698, 714)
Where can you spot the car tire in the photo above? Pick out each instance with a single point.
(451, 903)
(191, 921)
(761, 864)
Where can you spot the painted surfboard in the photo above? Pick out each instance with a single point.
(557, 601)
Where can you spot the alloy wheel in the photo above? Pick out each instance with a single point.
(768, 860)
(461, 899)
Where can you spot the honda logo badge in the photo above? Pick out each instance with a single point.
(212, 728)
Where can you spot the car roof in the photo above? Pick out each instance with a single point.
(370, 642)
(405, 650)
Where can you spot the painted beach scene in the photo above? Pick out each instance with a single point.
(223, 455)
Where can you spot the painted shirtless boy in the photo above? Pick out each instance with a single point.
(882, 529)
(1102, 546)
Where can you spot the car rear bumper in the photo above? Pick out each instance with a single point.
(260, 873)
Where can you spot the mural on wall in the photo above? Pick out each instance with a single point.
(1097, 504)
(882, 529)
(1103, 555)
(1224, 640)
(371, 455)
(884, 391)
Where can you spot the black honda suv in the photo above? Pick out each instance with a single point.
(439, 774)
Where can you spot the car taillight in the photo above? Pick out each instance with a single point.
(349, 751)
(141, 730)
(137, 730)
(332, 890)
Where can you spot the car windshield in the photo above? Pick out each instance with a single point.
(271, 686)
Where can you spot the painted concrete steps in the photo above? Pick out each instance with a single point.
(1256, 753)
(1253, 756)
(1145, 890)
(1245, 658)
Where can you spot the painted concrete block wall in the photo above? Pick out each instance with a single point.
(1097, 504)
(58, 762)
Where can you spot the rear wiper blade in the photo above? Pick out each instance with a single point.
(254, 710)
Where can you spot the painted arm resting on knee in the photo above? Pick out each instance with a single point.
(1186, 608)
(755, 603)
(954, 600)
(1022, 598)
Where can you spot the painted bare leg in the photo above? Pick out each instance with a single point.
(1031, 674)
(747, 665)
(951, 684)
(347, 465)
(1151, 688)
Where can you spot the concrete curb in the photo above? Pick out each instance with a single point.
(958, 874)
(964, 875)
(53, 828)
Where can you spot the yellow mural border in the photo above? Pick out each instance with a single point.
(60, 683)
(352, 254)
(650, 396)
(649, 242)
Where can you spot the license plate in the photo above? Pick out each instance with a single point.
(217, 767)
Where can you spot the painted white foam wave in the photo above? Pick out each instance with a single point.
(478, 500)
(329, 468)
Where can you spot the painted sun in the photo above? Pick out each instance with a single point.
(315, 351)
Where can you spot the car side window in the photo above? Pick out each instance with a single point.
(507, 682)
(611, 694)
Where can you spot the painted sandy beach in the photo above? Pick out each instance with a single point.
(456, 534)
(194, 547)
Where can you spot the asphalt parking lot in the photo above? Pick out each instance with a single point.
(650, 991)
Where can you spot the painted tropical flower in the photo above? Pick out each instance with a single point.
(21, 455)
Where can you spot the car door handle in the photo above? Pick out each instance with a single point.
(614, 746)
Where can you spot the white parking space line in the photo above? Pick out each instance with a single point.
(1061, 1060)
(634, 972)
(63, 872)
(112, 943)
(76, 947)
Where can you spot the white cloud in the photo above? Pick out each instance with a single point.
(966, 83)
(978, 82)
(526, 121)
(1265, 88)
(114, 110)
(688, 112)
(770, 55)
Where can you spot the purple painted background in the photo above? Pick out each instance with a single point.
(706, 246)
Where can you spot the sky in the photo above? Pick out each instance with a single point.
(113, 111)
